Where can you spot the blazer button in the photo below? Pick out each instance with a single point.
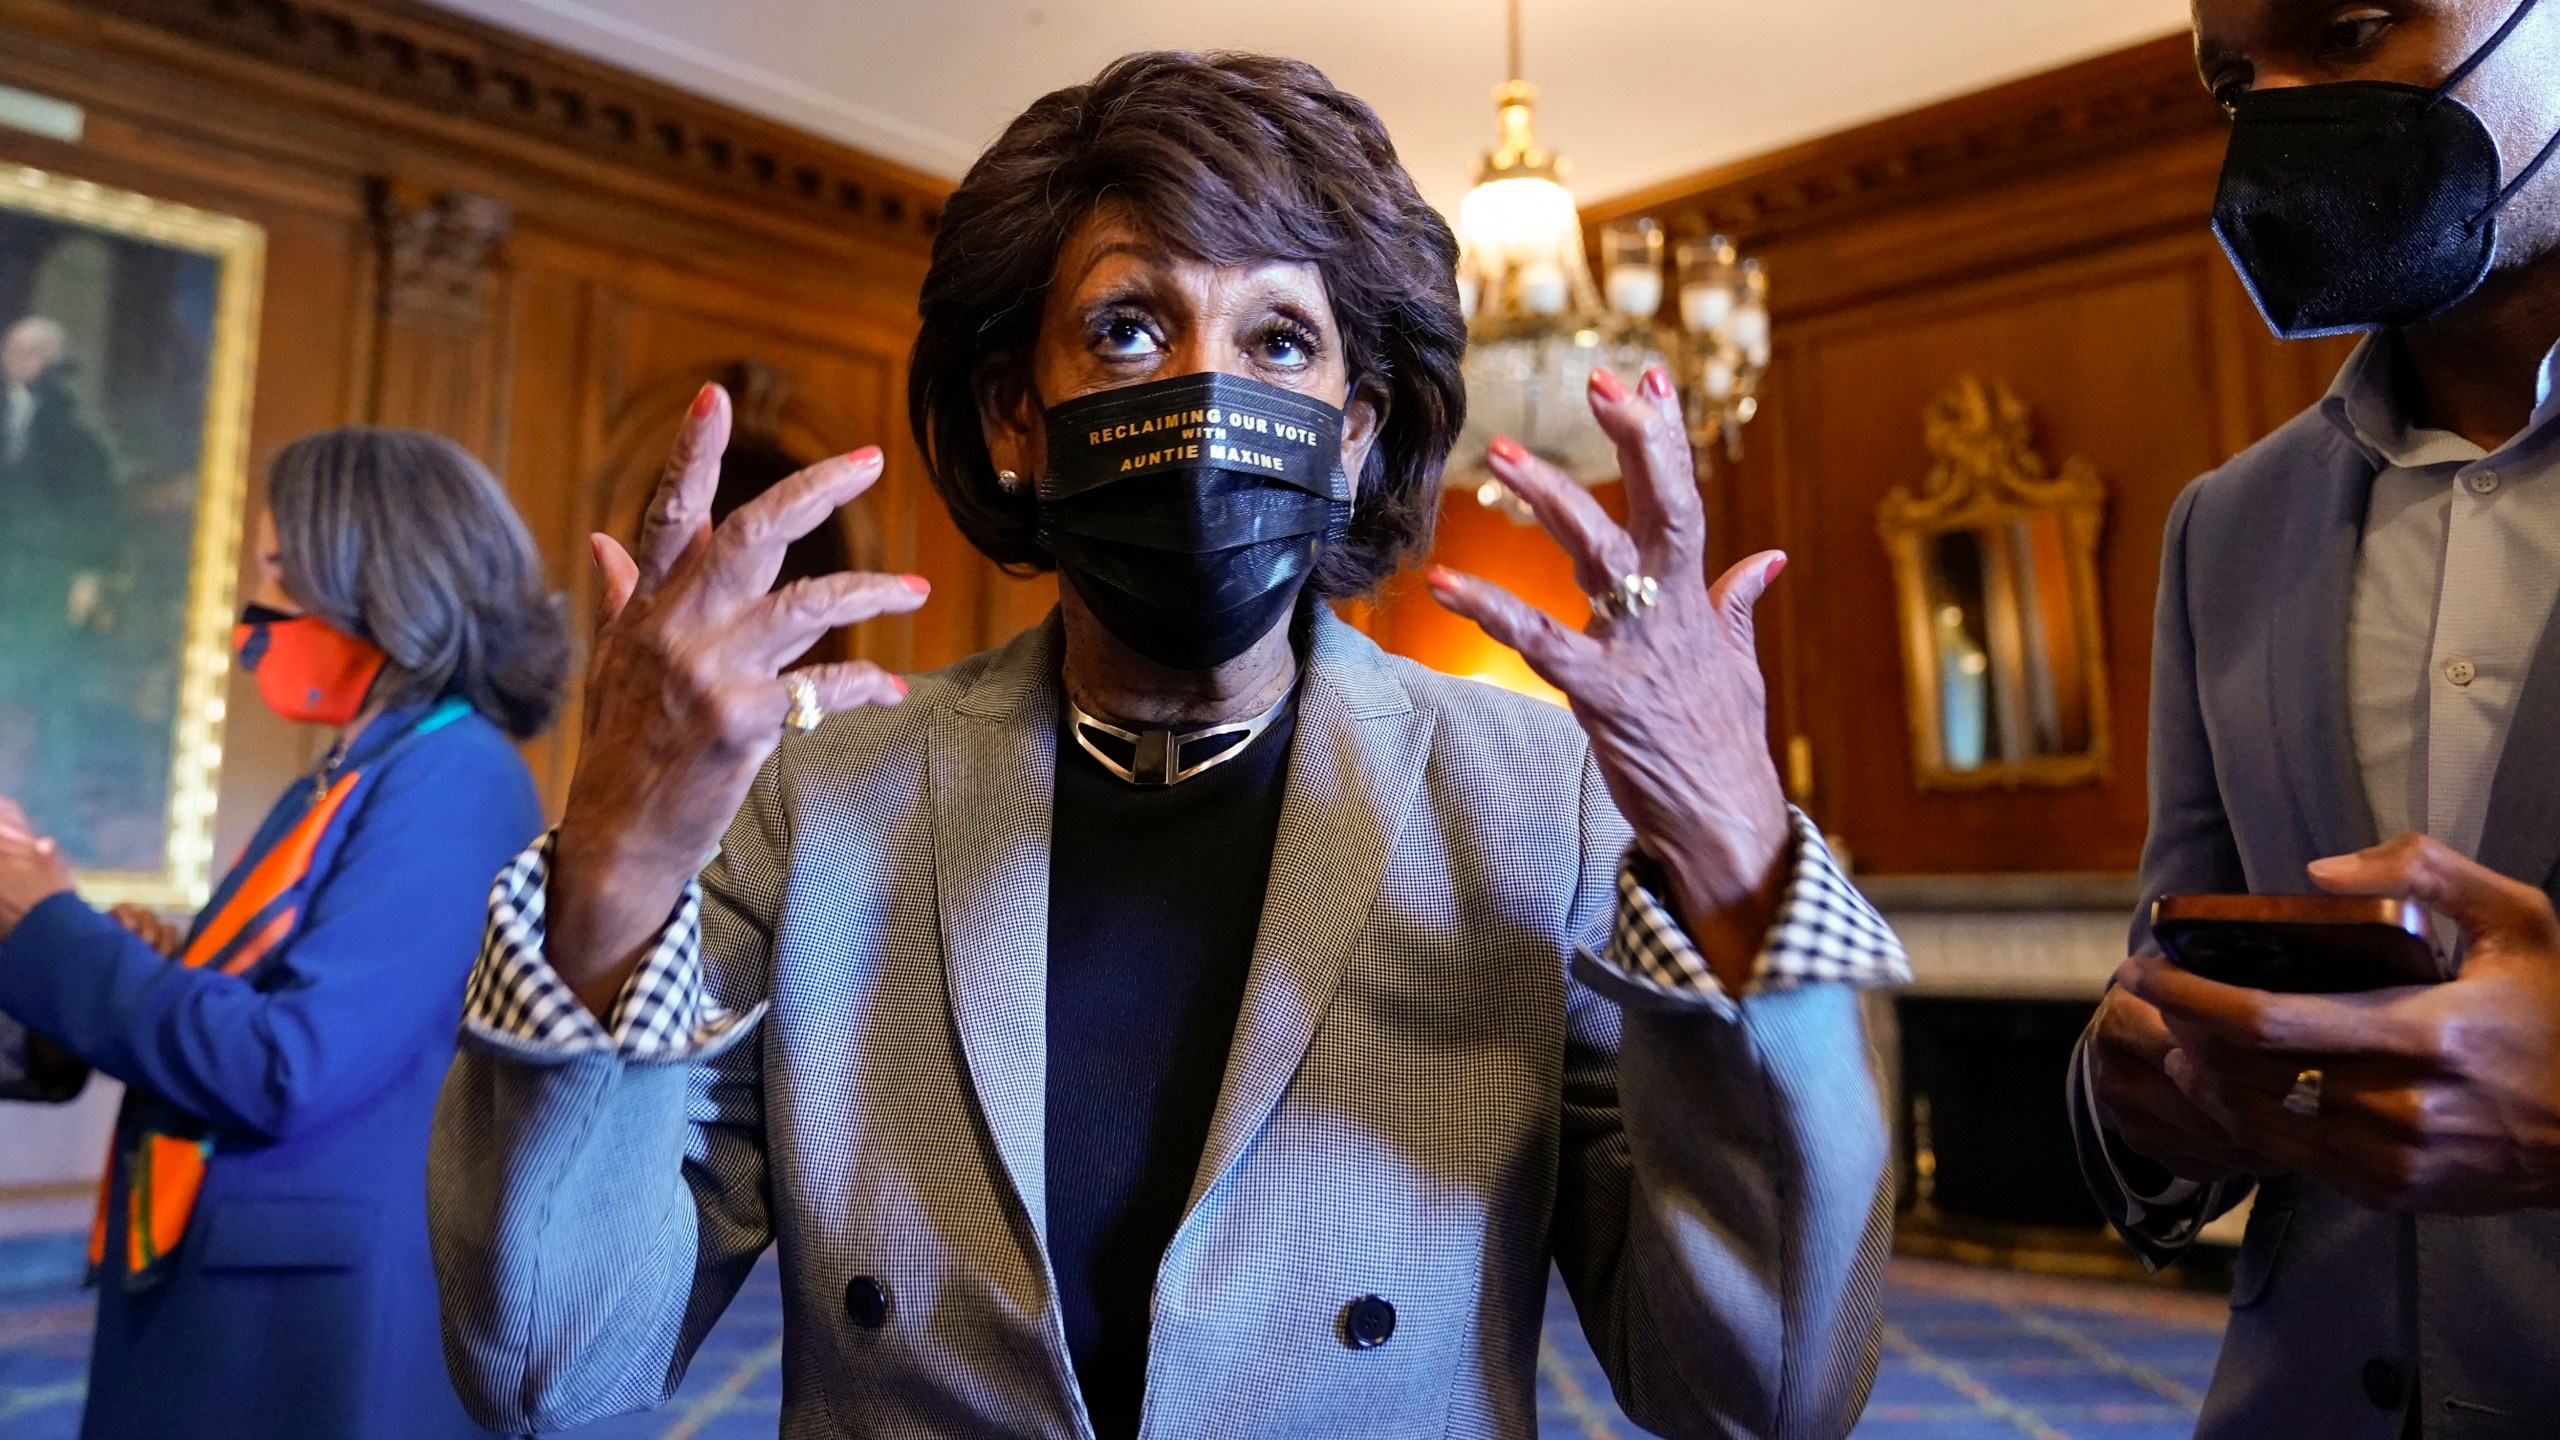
(1367, 1323)
(866, 1302)
(2383, 1384)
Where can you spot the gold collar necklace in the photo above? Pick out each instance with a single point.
(1157, 755)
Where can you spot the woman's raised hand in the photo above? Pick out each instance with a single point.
(686, 694)
(1671, 695)
(31, 867)
(33, 871)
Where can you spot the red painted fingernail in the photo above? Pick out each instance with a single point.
(901, 684)
(1611, 388)
(704, 399)
(1506, 449)
(1440, 577)
(917, 583)
(1657, 382)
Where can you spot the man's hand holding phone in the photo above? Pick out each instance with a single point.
(2145, 1108)
(2441, 1097)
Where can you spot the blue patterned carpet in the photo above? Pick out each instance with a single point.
(1969, 1355)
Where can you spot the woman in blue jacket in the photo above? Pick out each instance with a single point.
(261, 1246)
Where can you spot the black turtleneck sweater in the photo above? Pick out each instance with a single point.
(1154, 898)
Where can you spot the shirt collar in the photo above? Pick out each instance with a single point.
(384, 731)
(2363, 402)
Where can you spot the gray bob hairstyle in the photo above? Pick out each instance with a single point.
(402, 538)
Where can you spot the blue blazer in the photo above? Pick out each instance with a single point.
(303, 1303)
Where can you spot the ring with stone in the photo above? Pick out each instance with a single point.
(2304, 1098)
(1632, 595)
(806, 712)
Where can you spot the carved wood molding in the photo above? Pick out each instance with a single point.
(457, 67)
(2142, 94)
(761, 395)
(1984, 462)
(438, 252)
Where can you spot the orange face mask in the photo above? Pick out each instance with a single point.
(307, 672)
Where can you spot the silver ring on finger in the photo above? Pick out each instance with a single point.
(1632, 595)
(806, 712)
(2304, 1098)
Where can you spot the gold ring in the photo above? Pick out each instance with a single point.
(2304, 1098)
(806, 712)
(1632, 595)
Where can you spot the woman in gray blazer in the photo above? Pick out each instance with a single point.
(1185, 1019)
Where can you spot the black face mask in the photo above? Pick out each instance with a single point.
(1189, 512)
(2363, 204)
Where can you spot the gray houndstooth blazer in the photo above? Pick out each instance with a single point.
(1429, 1099)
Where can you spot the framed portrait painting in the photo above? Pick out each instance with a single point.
(127, 346)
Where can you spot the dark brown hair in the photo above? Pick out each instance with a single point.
(402, 538)
(1233, 159)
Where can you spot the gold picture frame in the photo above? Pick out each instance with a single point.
(2038, 711)
(173, 656)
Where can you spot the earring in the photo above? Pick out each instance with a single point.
(1008, 482)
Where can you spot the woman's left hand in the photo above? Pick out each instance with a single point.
(31, 868)
(1672, 695)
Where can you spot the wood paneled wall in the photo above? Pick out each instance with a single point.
(540, 256)
(2051, 233)
(543, 257)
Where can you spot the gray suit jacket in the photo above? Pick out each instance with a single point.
(1424, 1104)
(2253, 776)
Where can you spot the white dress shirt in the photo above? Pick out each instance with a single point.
(2454, 582)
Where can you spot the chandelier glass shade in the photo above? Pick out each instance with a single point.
(1519, 232)
(1533, 387)
(1538, 323)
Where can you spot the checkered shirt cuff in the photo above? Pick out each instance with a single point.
(1826, 932)
(664, 1014)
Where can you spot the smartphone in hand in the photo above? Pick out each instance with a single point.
(2300, 944)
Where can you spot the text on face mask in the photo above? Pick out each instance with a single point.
(1201, 424)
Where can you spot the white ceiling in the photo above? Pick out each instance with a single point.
(1633, 91)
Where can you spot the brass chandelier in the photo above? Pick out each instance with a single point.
(1538, 323)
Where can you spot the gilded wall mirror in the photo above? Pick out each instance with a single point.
(1996, 576)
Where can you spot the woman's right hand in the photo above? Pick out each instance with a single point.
(32, 869)
(685, 695)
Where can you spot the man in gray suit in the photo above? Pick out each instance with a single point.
(2355, 642)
